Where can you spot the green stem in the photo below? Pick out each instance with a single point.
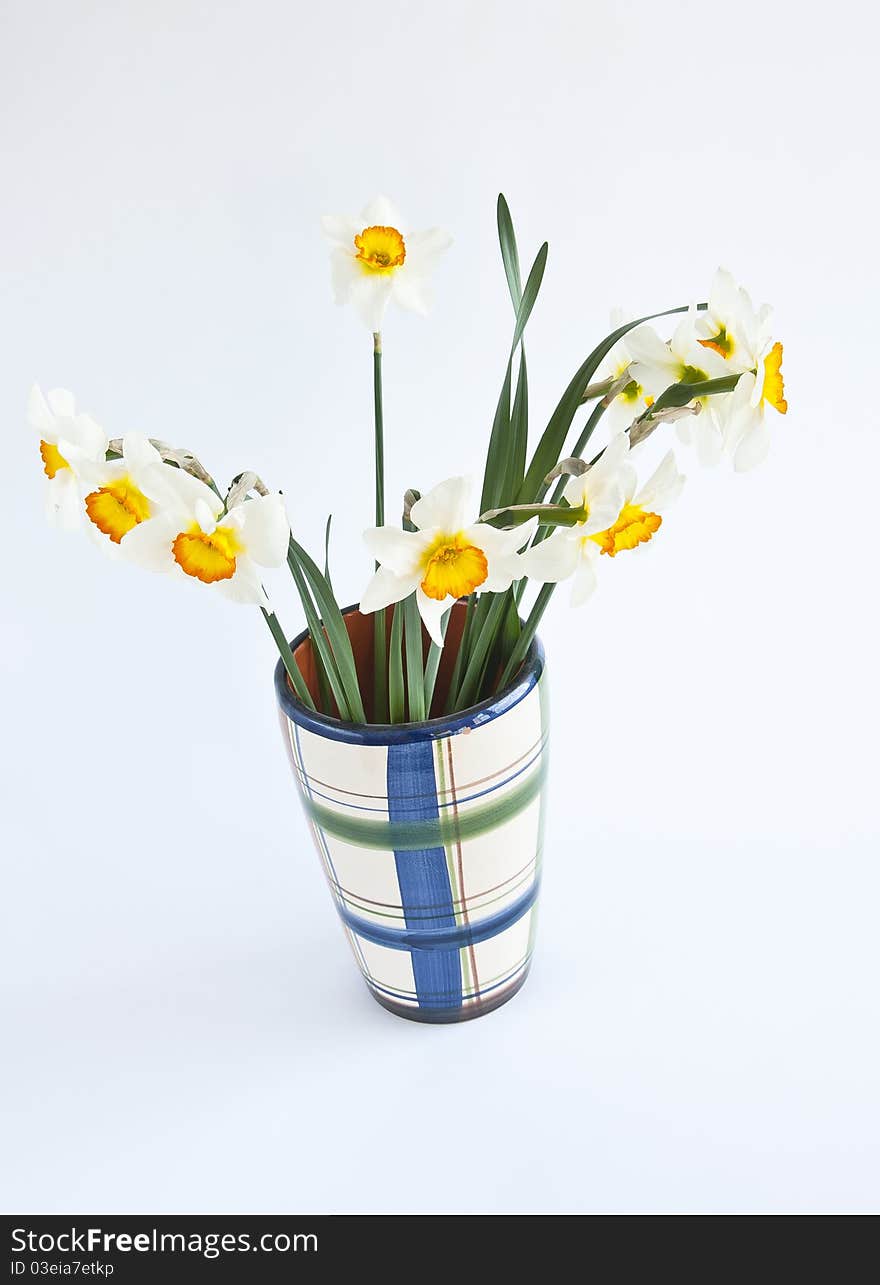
(380, 638)
(395, 667)
(586, 434)
(518, 654)
(415, 674)
(483, 644)
(294, 672)
(432, 665)
(463, 644)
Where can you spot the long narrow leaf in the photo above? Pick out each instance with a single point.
(415, 674)
(395, 667)
(493, 477)
(335, 627)
(483, 644)
(550, 446)
(496, 456)
(323, 655)
(519, 433)
(509, 251)
(432, 665)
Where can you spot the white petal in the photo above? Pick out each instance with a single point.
(753, 448)
(62, 403)
(553, 559)
(149, 545)
(646, 346)
(139, 452)
(708, 440)
(423, 249)
(384, 588)
(445, 506)
(399, 551)
(370, 295)
(38, 414)
(344, 274)
(87, 435)
(180, 493)
(411, 291)
(244, 584)
(585, 577)
(604, 510)
(265, 530)
(432, 613)
(64, 503)
(207, 516)
(380, 213)
(341, 228)
(664, 485)
(495, 543)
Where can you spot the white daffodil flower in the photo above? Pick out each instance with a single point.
(746, 431)
(444, 559)
(633, 400)
(572, 551)
(122, 494)
(67, 439)
(658, 365)
(575, 551)
(194, 535)
(731, 326)
(374, 261)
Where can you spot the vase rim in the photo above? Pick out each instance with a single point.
(430, 729)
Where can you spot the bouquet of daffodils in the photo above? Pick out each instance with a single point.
(555, 512)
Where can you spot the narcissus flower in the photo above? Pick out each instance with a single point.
(633, 399)
(194, 535)
(374, 260)
(731, 326)
(444, 559)
(658, 365)
(121, 494)
(67, 439)
(746, 431)
(575, 551)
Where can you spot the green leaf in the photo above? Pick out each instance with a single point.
(323, 655)
(294, 672)
(519, 433)
(682, 393)
(509, 252)
(327, 552)
(529, 295)
(493, 478)
(415, 674)
(432, 665)
(395, 667)
(483, 642)
(552, 441)
(496, 470)
(337, 633)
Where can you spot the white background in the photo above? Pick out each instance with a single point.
(186, 1030)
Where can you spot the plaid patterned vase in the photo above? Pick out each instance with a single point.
(430, 836)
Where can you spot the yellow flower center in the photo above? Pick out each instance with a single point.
(631, 393)
(721, 343)
(380, 249)
(774, 389)
(117, 507)
(53, 460)
(634, 526)
(207, 557)
(452, 566)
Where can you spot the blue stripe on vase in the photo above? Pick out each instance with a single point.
(422, 874)
(440, 939)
